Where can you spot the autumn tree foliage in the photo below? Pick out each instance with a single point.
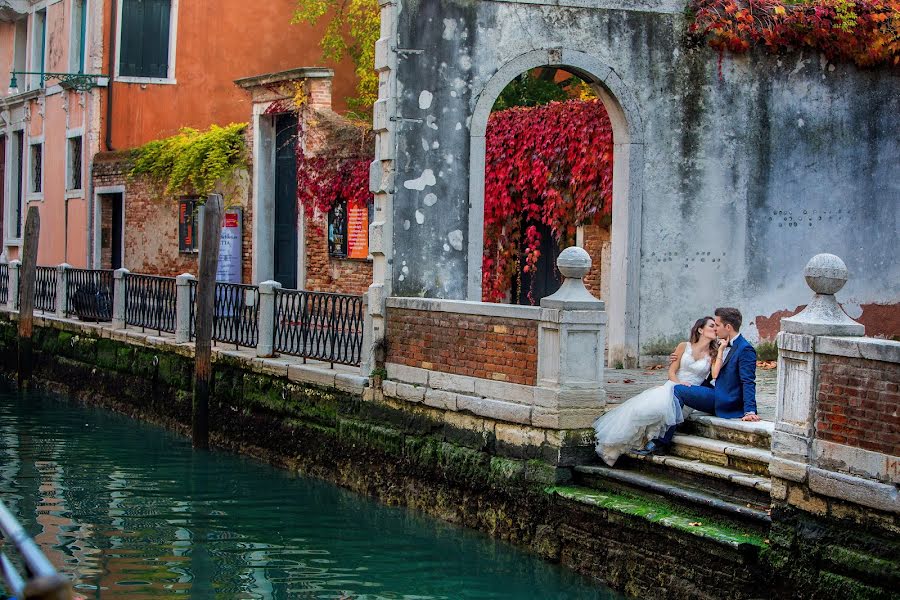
(866, 32)
(550, 164)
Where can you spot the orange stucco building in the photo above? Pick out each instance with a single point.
(171, 64)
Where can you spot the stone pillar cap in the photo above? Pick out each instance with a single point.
(574, 263)
(825, 275)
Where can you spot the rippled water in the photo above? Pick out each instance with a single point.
(130, 510)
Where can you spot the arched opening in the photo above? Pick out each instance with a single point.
(624, 262)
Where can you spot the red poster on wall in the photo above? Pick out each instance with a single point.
(357, 231)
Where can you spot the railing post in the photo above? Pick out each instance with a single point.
(118, 316)
(366, 364)
(265, 341)
(183, 307)
(62, 289)
(15, 267)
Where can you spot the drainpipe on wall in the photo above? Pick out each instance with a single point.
(112, 64)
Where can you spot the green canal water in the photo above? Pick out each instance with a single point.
(131, 511)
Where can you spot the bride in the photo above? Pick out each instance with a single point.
(649, 414)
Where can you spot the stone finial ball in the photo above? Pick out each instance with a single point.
(574, 262)
(825, 273)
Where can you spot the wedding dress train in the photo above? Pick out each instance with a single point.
(647, 415)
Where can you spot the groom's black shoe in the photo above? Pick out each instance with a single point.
(653, 447)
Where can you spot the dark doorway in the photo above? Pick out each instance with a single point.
(545, 280)
(285, 238)
(111, 230)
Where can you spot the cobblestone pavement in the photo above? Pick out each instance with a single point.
(622, 384)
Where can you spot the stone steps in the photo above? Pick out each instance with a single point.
(718, 465)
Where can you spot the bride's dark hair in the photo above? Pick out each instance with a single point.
(695, 333)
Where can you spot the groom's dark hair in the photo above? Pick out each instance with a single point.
(731, 316)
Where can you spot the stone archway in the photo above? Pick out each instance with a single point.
(623, 305)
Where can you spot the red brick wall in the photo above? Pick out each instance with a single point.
(859, 403)
(326, 274)
(151, 224)
(597, 245)
(880, 320)
(478, 346)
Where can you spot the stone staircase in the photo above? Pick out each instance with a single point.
(719, 466)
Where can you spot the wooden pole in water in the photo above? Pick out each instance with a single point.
(212, 213)
(26, 293)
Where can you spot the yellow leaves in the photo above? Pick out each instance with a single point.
(779, 10)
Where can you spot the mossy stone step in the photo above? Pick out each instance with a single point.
(666, 515)
(605, 477)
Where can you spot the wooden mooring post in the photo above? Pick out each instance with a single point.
(27, 276)
(211, 217)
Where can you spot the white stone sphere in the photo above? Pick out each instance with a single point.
(825, 273)
(574, 262)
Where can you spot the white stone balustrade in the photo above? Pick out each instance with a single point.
(118, 316)
(265, 342)
(183, 307)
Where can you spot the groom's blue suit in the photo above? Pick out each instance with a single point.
(734, 394)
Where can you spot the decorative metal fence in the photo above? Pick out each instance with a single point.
(321, 326)
(45, 288)
(150, 302)
(4, 283)
(89, 294)
(236, 319)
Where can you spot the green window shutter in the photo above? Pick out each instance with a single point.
(144, 50)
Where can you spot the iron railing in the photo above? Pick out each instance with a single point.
(321, 326)
(150, 302)
(236, 317)
(36, 565)
(89, 294)
(45, 288)
(4, 283)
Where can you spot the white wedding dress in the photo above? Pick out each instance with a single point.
(647, 415)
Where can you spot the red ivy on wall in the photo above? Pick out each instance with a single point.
(322, 182)
(550, 164)
(866, 32)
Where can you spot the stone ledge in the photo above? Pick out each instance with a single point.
(856, 461)
(467, 307)
(788, 469)
(859, 347)
(856, 490)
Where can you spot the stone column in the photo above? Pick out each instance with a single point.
(183, 307)
(571, 345)
(118, 316)
(62, 289)
(265, 341)
(15, 268)
(366, 362)
(795, 407)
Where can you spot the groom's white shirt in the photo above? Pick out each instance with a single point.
(728, 347)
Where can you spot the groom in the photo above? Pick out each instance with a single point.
(734, 394)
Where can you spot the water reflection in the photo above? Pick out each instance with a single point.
(130, 510)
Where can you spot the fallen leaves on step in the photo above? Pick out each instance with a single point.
(628, 381)
(695, 524)
(766, 364)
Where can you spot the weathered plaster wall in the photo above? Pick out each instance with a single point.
(745, 173)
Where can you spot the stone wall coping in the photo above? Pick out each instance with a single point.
(468, 307)
(654, 6)
(859, 347)
(856, 490)
(282, 76)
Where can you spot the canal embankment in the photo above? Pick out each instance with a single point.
(332, 424)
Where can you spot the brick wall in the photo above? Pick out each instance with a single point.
(151, 223)
(327, 274)
(496, 348)
(597, 243)
(859, 403)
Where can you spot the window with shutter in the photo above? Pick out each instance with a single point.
(144, 42)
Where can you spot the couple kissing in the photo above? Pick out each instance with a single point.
(713, 372)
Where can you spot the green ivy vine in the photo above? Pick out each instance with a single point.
(194, 161)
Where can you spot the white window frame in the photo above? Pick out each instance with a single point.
(173, 39)
(34, 53)
(31, 196)
(70, 191)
